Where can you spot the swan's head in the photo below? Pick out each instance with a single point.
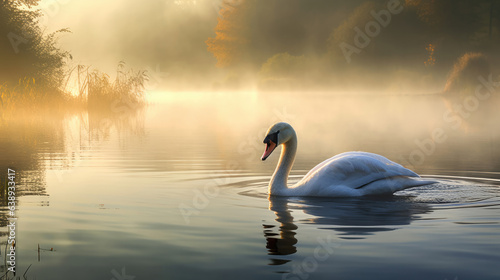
(277, 134)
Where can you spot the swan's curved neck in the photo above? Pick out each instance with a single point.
(279, 180)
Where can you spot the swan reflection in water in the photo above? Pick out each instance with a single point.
(351, 218)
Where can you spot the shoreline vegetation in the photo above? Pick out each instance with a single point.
(92, 89)
(34, 75)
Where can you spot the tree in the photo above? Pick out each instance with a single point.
(231, 41)
(345, 33)
(25, 51)
(284, 65)
(459, 20)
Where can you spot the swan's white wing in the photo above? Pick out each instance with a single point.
(361, 162)
(354, 171)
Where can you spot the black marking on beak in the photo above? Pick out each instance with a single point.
(272, 137)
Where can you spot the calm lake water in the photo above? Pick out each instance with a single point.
(177, 190)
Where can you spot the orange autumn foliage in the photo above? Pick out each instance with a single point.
(427, 10)
(231, 39)
(431, 59)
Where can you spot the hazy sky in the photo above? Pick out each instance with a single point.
(86, 20)
(103, 32)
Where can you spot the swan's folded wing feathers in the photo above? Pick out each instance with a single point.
(357, 169)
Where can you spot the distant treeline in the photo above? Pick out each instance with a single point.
(299, 42)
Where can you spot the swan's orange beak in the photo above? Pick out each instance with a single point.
(270, 146)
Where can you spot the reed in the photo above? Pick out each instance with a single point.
(99, 91)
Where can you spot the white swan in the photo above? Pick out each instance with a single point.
(344, 175)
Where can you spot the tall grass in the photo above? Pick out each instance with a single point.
(28, 96)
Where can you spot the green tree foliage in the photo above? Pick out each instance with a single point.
(284, 65)
(25, 51)
(284, 70)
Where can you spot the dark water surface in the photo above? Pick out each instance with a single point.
(177, 191)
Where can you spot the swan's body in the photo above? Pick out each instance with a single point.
(344, 175)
